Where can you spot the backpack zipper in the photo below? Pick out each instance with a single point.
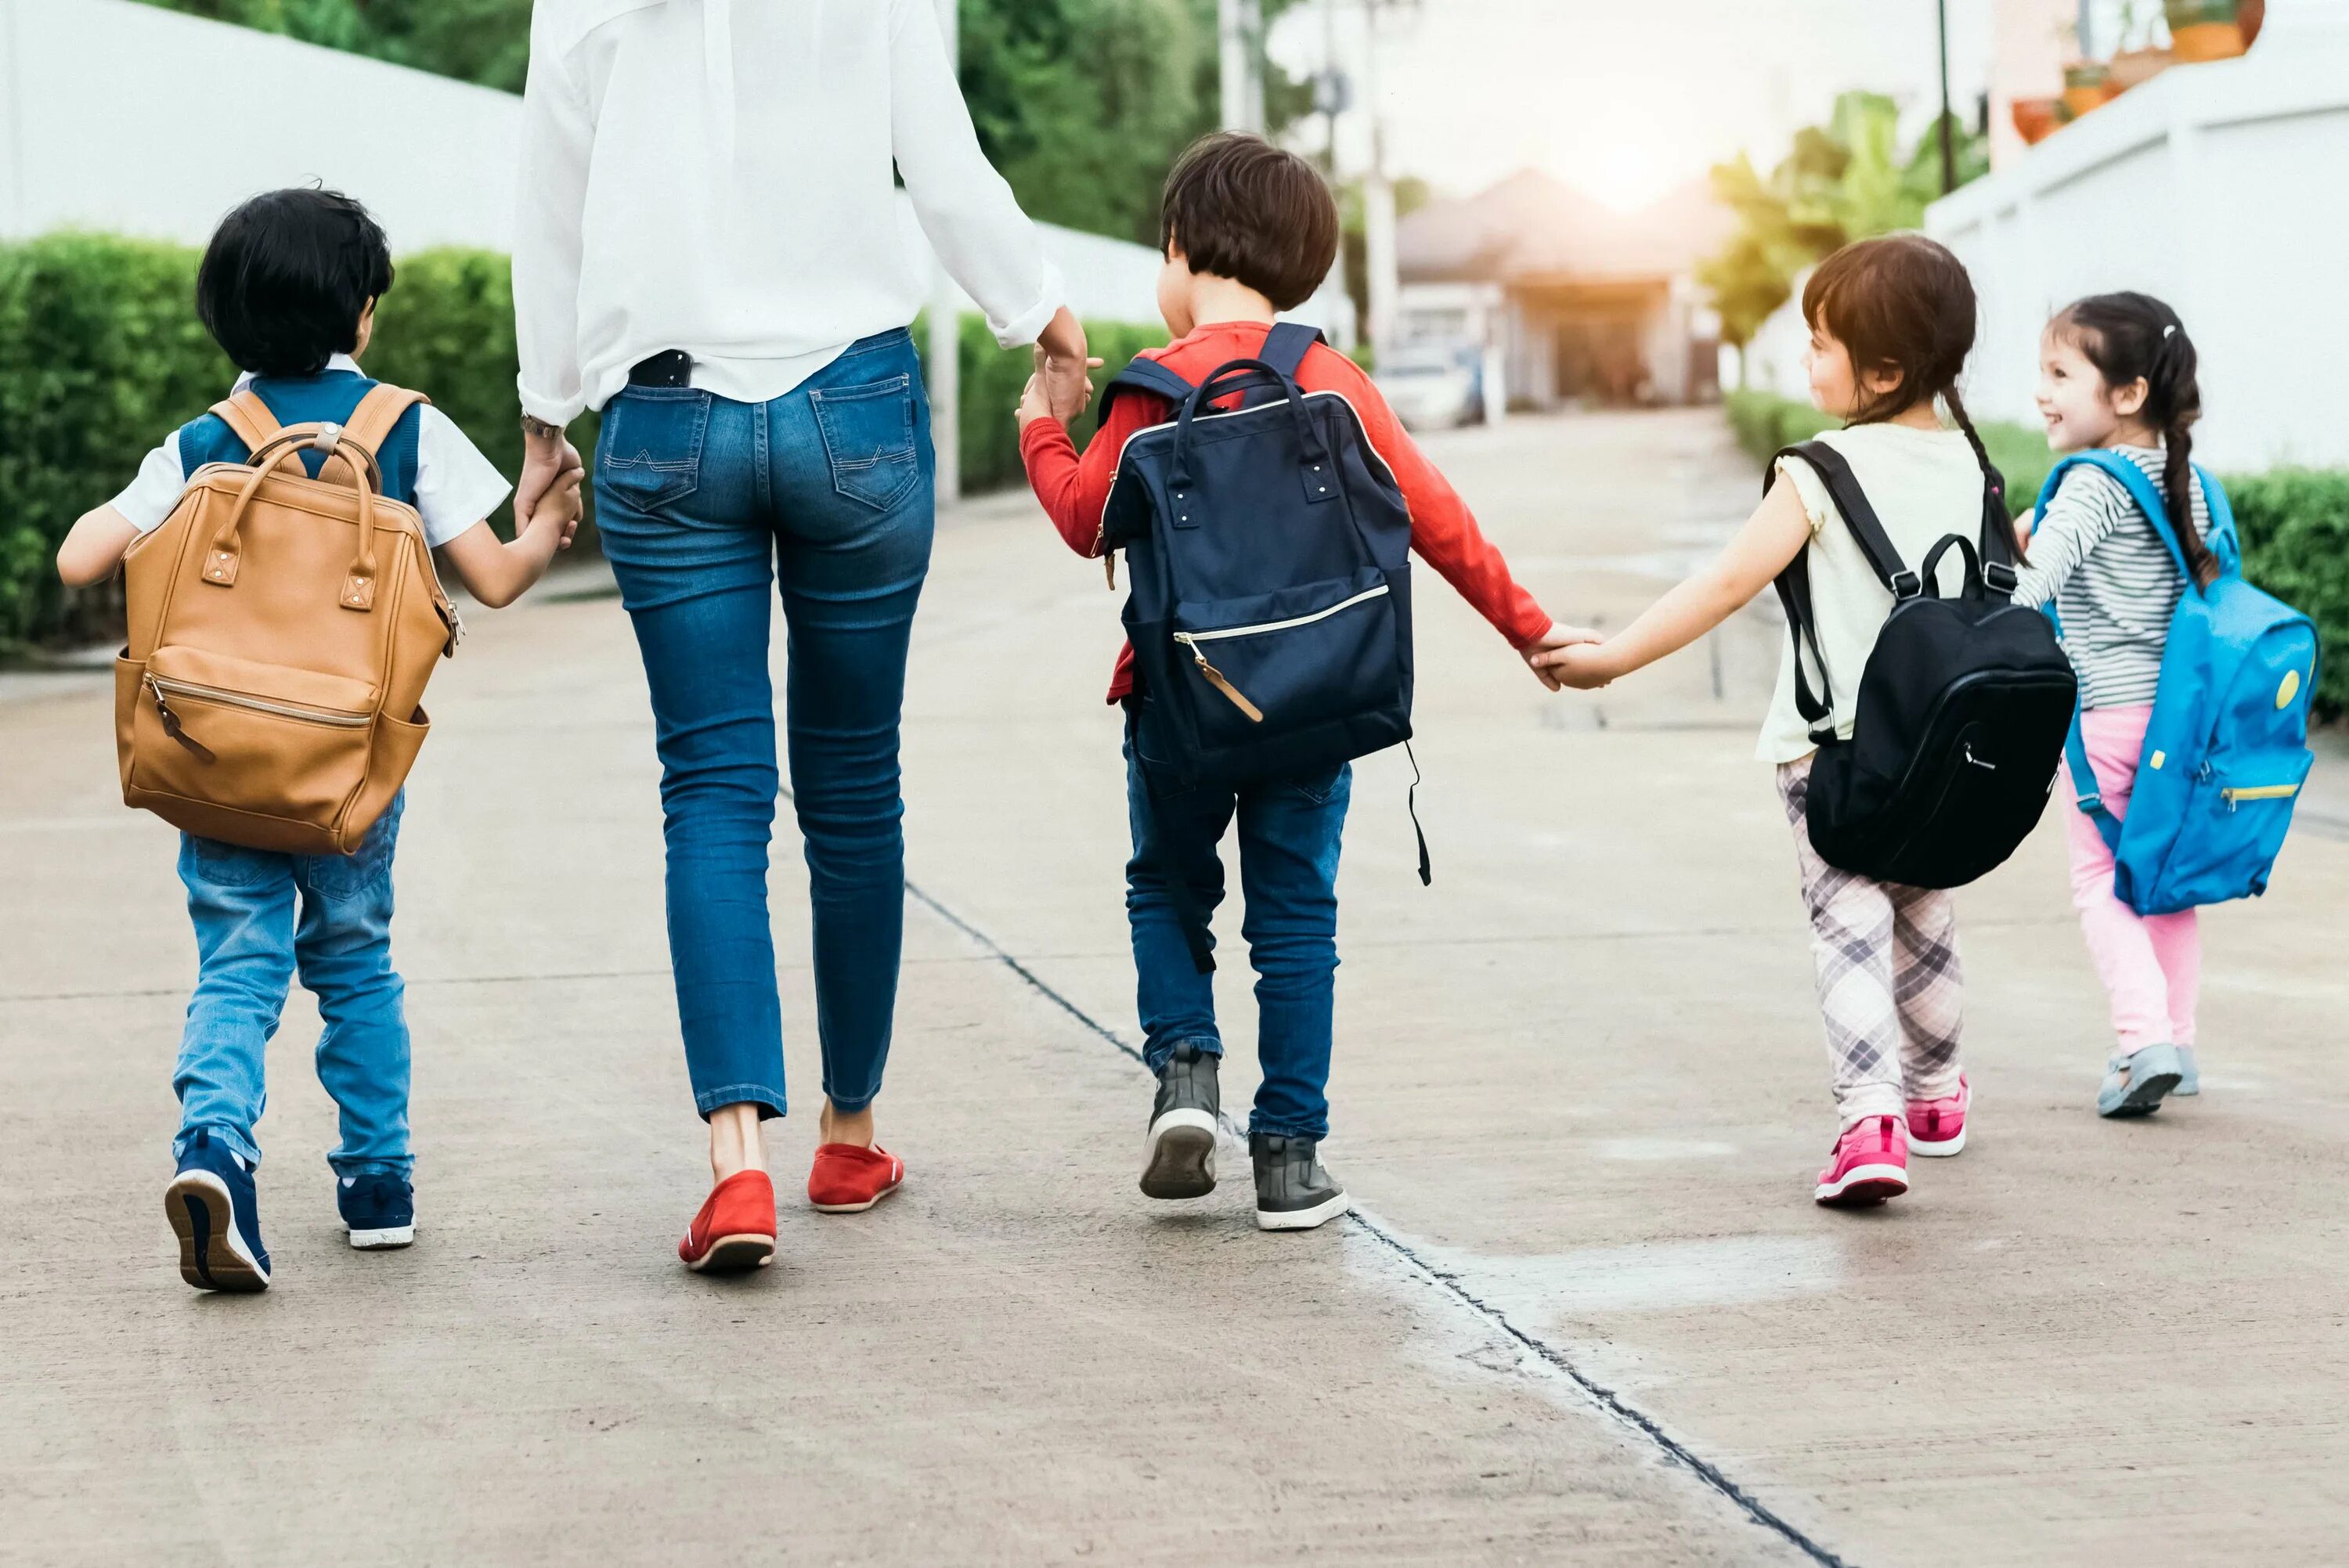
(1222, 682)
(2258, 792)
(162, 686)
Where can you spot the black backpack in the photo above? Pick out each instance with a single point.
(1269, 553)
(1962, 708)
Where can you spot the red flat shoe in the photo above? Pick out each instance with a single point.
(846, 1180)
(736, 1228)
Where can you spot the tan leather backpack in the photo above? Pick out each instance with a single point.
(282, 631)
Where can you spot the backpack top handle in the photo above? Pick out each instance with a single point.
(226, 551)
(1237, 370)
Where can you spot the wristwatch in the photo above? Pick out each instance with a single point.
(532, 425)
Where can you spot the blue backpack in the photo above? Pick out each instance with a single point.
(2227, 750)
(1269, 551)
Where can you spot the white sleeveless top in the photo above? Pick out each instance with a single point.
(1924, 485)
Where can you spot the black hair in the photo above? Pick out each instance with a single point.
(288, 277)
(1904, 303)
(1244, 208)
(2134, 336)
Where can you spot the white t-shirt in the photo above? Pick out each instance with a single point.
(1924, 485)
(456, 487)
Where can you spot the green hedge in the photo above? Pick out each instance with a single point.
(2294, 523)
(101, 356)
(1766, 423)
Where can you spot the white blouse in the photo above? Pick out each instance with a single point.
(716, 177)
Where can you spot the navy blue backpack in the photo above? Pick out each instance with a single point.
(1269, 549)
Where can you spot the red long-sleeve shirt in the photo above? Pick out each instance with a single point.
(1075, 489)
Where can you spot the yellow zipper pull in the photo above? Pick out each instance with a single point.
(1215, 678)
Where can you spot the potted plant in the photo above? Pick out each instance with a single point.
(2140, 60)
(2088, 86)
(2203, 30)
(2037, 118)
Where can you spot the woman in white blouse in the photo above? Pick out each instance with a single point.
(709, 251)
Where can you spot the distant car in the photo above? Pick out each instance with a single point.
(1434, 386)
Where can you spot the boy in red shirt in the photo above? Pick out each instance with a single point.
(1249, 231)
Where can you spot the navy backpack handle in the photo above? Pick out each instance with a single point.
(1179, 469)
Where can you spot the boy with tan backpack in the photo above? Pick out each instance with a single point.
(284, 615)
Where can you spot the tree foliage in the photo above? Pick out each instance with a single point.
(1849, 179)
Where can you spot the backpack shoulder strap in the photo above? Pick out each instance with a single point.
(2141, 489)
(248, 419)
(1287, 344)
(370, 424)
(1859, 515)
(1143, 375)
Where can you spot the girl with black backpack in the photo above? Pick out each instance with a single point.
(1892, 322)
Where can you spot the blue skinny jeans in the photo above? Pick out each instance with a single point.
(706, 506)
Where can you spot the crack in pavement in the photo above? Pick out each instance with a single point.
(1548, 1356)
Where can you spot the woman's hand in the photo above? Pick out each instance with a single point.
(548, 460)
(1061, 363)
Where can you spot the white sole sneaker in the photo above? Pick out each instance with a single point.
(1940, 1150)
(389, 1236)
(1310, 1219)
(1178, 1155)
(1864, 1184)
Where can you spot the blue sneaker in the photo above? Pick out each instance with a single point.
(2135, 1085)
(211, 1205)
(379, 1210)
(2190, 1075)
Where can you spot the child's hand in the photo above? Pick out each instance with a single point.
(560, 507)
(1584, 666)
(1559, 635)
(1035, 403)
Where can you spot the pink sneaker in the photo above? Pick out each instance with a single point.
(1937, 1128)
(1871, 1164)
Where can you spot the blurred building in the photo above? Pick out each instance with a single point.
(2217, 188)
(1572, 301)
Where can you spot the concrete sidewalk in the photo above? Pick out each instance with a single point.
(1592, 1315)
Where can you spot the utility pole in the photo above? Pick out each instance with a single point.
(1949, 119)
(1378, 203)
(944, 372)
(1239, 33)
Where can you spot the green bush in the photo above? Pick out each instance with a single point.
(2295, 531)
(101, 356)
(1765, 424)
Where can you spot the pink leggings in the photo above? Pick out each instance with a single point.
(2151, 964)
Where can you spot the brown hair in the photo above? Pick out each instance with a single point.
(1242, 209)
(2129, 336)
(1903, 302)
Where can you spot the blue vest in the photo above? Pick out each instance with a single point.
(329, 396)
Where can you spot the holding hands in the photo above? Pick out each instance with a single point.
(1540, 654)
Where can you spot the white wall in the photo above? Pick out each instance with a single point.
(2219, 188)
(137, 120)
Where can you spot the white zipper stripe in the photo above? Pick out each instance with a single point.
(170, 687)
(1194, 638)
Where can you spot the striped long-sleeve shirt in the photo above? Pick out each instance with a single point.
(2112, 579)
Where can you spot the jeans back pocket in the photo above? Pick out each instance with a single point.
(650, 450)
(868, 438)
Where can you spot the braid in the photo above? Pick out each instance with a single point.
(2176, 398)
(1957, 406)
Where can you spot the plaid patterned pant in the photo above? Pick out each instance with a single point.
(1890, 989)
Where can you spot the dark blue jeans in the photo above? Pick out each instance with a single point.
(1289, 831)
(705, 505)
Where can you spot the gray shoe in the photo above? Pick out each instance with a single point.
(2136, 1084)
(1178, 1157)
(1293, 1193)
(2190, 1075)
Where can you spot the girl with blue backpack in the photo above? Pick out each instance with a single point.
(2189, 748)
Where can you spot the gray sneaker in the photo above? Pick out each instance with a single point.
(1293, 1193)
(1178, 1157)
